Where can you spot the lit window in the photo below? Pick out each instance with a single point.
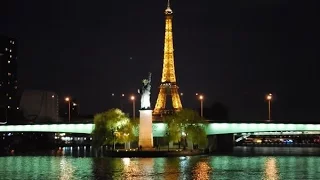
(6, 49)
(10, 50)
(8, 82)
(18, 109)
(9, 97)
(9, 74)
(10, 56)
(8, 62)
(8, 107)
(12, 42)
(16, 87)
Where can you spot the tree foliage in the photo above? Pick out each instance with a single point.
(186, 123)
(112, 126)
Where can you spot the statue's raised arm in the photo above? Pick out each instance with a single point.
(150, 77)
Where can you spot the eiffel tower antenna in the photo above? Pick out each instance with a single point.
(168, 10)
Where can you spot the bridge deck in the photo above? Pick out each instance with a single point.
(159, 128)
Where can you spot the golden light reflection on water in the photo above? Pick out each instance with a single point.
(126, 162)
(66, 169)
(136, 168)
(271, 169)
(201, 171)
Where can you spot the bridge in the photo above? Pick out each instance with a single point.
(159, 128)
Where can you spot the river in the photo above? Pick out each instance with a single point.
(196, 167)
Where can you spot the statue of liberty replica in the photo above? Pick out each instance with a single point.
(145, 125)
(145, 93)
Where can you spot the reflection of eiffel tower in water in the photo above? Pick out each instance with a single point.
(168, 87)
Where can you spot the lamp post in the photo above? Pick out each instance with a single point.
(269, 98)
(67, 99)
(76, 105)
(133, 107)
(201, 105)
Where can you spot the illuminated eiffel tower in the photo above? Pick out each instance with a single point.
(168, 87)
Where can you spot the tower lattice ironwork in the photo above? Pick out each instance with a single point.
(168, 87)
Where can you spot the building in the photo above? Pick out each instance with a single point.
(9, 99)
(40, 106)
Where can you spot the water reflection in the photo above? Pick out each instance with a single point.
(271, 170)
(197, 167)
(66, 169)
(201, 171)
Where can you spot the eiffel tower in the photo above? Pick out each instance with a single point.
(168, 87)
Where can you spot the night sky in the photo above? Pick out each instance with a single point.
(232, 51)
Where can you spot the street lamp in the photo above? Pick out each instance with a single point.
(201, 105)
(133, 107)
(67, 99)
(269, 98)
(76, 105)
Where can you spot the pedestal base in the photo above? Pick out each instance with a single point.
(145, 129)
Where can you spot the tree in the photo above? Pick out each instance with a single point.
(188, 125)
(112, 126)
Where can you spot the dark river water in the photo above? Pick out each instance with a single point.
(196, 167)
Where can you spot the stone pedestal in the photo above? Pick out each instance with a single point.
(145, 130)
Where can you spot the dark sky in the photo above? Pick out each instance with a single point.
(232, 51)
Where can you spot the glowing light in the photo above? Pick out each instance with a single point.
(67, 99)
(132, 98)
(201, 97)
(52, 96)
(269, 97)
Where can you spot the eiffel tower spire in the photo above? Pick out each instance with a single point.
(168, 87)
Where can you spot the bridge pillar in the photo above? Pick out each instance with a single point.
(221, 143)
(225, 143)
